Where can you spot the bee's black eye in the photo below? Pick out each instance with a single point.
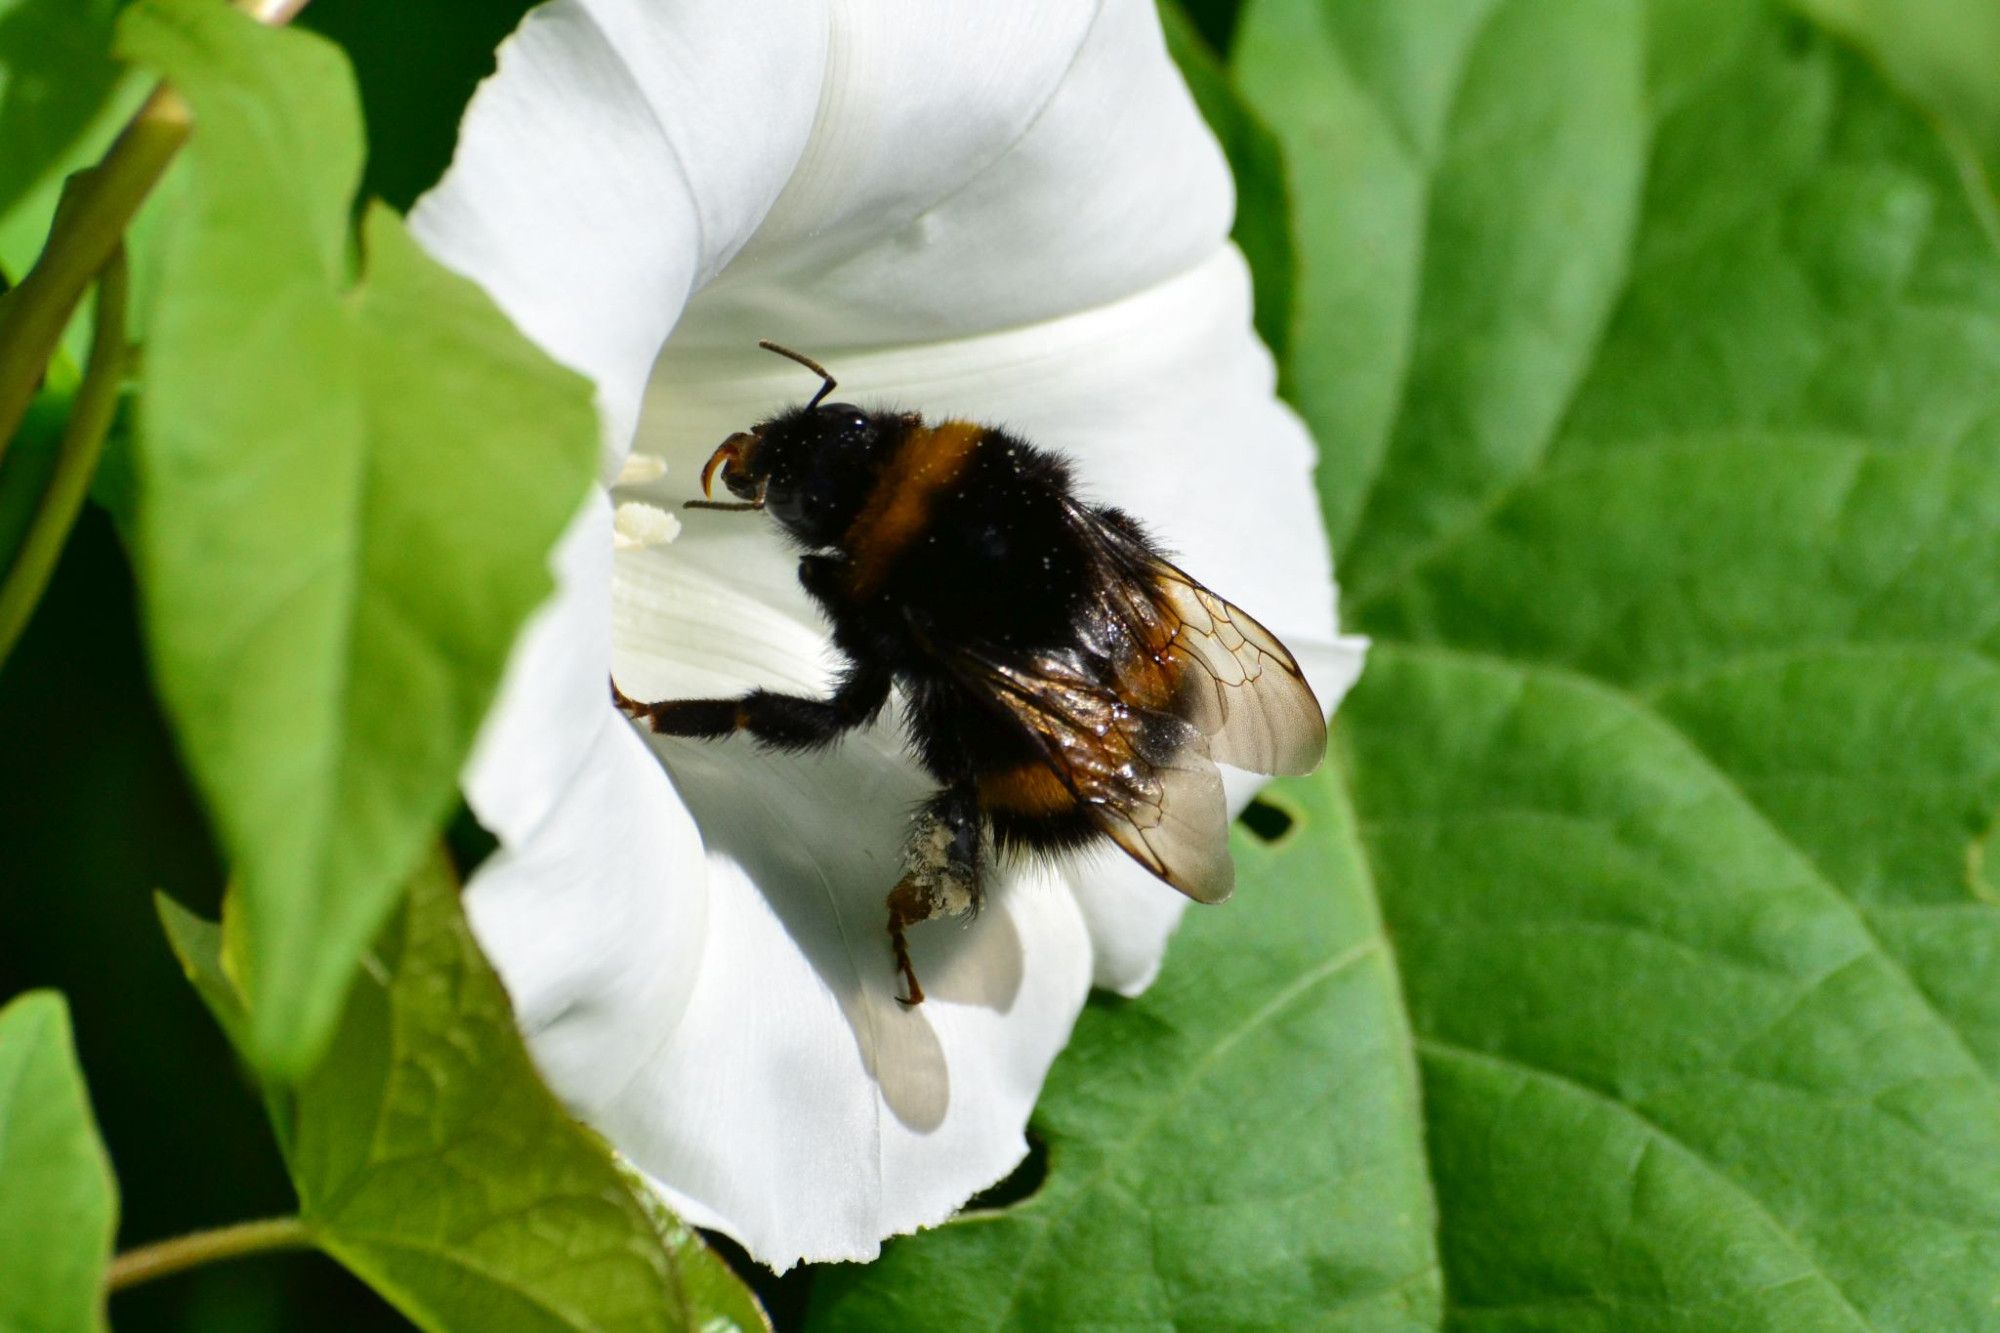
(844, 419)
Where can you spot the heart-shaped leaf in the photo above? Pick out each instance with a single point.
(1654, 352)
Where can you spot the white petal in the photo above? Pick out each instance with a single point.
(978, 167)
(1130, 915)
(622, 153)
(1332, 667)
(799, 1107)
(543, 729)
(597, 921)
(597, 887)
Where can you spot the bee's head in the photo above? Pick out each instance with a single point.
(811, 467)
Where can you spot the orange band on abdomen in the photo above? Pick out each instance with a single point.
(1026, 789)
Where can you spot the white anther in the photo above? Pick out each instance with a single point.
(635, 524)
(641, 468)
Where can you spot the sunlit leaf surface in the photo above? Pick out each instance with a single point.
(350, 470)
(431, 1160)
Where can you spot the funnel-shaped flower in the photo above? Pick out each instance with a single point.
(1007, 213)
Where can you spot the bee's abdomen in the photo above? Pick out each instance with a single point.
(1029, 789)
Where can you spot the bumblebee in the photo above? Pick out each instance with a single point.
(1065, 682)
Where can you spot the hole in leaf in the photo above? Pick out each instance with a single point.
(1020, 1184)
(1267, 821)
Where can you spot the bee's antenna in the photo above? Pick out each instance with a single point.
(810, 364)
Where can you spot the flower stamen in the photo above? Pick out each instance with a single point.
(636, 525)
(638, 469)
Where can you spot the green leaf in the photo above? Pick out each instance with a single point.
(62, 99)
(1240, 1147)
(432, 1161)
(1263, 227)
(347, 487)
(1657, 369)
(197, 944)
(58, 1201)
(1474, 176)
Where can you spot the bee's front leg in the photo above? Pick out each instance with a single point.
(943, 865)
(781, 721)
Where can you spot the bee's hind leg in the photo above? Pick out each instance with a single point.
(942, 868)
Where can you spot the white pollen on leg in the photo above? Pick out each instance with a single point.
(635, 524)
(928, 851)
(952, 894)
(946, 887)
(638, 469)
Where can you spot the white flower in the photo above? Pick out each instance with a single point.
(1010, 213)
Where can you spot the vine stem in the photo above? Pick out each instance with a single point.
(90, 222)
(95, 404)
(206, 1247)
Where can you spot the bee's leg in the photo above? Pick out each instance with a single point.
(824, 576)
(783, 721)
(942, 864)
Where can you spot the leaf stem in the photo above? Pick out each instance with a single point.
(90, 221)
(96, 208)
(91, 411)
(166, 1257)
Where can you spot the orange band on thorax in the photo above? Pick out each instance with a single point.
(929, 461)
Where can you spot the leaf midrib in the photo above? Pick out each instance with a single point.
(1046, 1224)
(1587, 356)
(1424, 163)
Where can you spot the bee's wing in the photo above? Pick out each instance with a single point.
(1237, 683)
(1239, 686)
(1143, 777)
